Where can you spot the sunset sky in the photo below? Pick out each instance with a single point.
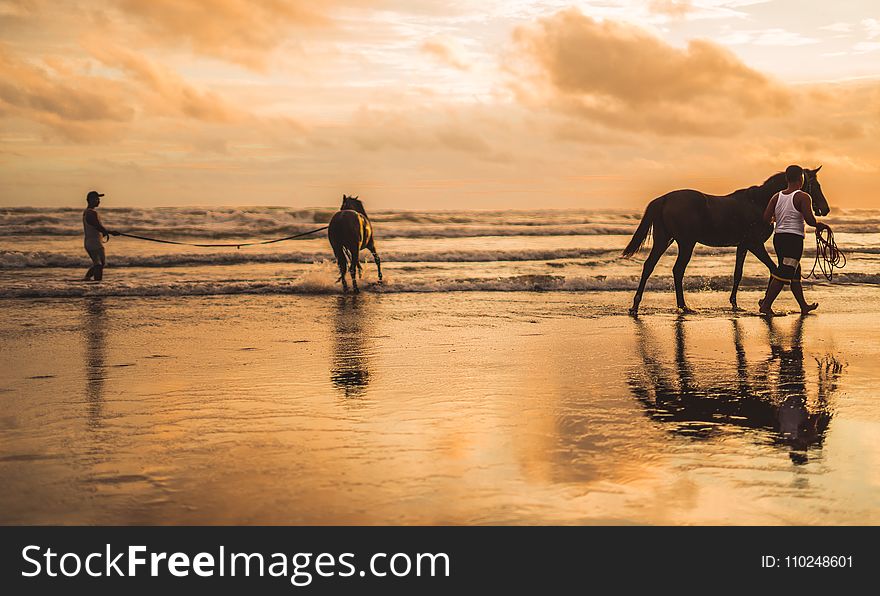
(433, 104)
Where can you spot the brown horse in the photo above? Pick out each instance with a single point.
(350, 231)
(690, 216)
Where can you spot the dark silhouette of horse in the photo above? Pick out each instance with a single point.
(350, 369)
(688, 217)
(350, 231)
(770, 396)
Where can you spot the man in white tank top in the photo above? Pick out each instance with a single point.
(94, 232)
(790, 209)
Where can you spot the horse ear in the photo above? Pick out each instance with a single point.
(816, 171)
(360, 195)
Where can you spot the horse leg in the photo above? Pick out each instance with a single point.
(737, 274)
(685, 250)
(661, 243)
(372, 249)
(760, 251)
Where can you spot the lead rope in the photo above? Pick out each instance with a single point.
(236, 245)
(828, 256)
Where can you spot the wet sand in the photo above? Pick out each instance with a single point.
(462, 408)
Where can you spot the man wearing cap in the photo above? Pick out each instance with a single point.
(94, 230)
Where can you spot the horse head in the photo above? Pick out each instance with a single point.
(814, 189)
(352, 203)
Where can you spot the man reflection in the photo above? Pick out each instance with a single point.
(796, 424)
(94, 320)
(350, 370)
(771, 395)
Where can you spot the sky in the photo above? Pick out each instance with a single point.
(433, 104)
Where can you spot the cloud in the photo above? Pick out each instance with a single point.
(442, 51)
(239, 31)
(671, 8)
(75, 105)
(624, 77)
(166, 92)
(767, 37)
(838, 27)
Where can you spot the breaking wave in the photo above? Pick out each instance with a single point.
(266, 222)
(10, 259)
(324, 282)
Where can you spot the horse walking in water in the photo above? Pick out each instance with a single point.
(690, 216)
(350, 232)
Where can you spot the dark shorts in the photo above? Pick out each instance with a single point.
(789, 250)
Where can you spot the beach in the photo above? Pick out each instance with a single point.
(437, 408)
(493, 378)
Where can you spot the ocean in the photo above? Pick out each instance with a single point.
(494, 378)
(41, 252)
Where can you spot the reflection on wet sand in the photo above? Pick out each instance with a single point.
(350, 363)
(94, 320)
(773, 394)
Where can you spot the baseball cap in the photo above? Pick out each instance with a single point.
(93, 194)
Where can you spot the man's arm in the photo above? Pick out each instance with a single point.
(806, 207)
(771, 209)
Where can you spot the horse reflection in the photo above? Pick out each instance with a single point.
(771, 395)
(350, 370)
(94, 321)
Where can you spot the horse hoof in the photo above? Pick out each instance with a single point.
(634, 312)
(686, 310)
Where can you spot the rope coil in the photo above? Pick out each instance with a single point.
(828, 256)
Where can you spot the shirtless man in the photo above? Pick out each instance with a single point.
(94, 230)
(789, 208)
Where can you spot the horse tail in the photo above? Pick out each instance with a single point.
(343, 258)
(652, 212)
(333, 235)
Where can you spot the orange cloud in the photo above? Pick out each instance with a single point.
(671, 8)
(240, 31)
(624, 77)
(441, 50)
(73, 104)
(167, 93)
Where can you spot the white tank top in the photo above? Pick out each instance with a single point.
(789, 220)
(92, 235)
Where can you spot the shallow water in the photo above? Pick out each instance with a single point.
(41, 253)
(457, 407)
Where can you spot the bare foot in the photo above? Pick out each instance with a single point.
(767, 312)
(809, 308)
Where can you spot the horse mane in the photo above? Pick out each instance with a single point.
(762, 192)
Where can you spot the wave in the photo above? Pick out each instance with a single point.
(266, 222)
(324, 282)
(11, 259)
(268, 230)
(39, 259)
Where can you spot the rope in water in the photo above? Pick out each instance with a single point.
(236, 245)
(828, 256)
